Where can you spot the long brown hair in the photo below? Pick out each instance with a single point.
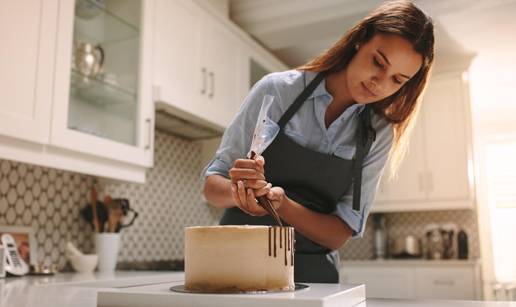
(402, 18)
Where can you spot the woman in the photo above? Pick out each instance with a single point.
(332, 126)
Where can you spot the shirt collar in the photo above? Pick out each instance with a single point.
(320, 90)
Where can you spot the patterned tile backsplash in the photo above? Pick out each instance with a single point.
(50, 200)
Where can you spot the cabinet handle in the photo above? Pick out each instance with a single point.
(149, 133)
(444, 282)
(212, 77)
(203, 90)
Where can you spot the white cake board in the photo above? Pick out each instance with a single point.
(160, 295)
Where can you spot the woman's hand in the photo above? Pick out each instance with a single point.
(245, 198)
(250, 172)
(277, 197)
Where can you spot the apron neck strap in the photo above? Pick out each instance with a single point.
(365, 137)
(301, 99)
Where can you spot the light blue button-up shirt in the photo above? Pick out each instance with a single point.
(307, 127)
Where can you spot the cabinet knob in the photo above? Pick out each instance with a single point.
(149, 134)
(203, 71)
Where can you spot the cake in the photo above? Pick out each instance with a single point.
(239, 258)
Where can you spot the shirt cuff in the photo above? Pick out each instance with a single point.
(354, 219)
(216, 167)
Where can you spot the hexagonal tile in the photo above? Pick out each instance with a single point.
(52, 175)
(28, 199)
(29, 179)
(20, 188)
(42, 218)
(43, 200)
(4, 185)
(27, 217)
(13, 178)
(38, 172)
(35, 208)
(51, 191)
(22, 169)
(5, 167)
(36, 189)
(10, 215)
(12, 197)
(44, 182)
(3, 205)
(19, 206)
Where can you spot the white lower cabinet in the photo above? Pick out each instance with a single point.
(420, 280)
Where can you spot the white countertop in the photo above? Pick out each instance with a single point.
(411, 262)
(80, 290)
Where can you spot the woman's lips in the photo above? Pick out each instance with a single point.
(367, 90)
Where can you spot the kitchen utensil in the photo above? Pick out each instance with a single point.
(434, 242)
(448, 232)
(115, 213)
(95, 217)
(266, 204)
(380, 236)
(84, 263)
(258, 145)
(462, 244)
(88, 59)
(406, 247)
(124, 205)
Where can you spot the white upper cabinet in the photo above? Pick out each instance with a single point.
(220, 51)
(195, 63)
(201, 62)
(27, 32)
(102, 91)
(178, 78)
(436, 173)
(76, 85)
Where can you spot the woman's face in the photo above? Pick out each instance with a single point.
(381, 67)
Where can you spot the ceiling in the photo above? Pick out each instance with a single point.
(298, 30)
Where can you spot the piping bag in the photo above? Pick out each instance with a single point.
(258, 145)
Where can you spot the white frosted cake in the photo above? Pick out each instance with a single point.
(239, 258)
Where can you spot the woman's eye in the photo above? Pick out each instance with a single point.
(396, 81)
(377, 63)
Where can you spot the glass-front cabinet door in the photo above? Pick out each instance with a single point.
(103, 100)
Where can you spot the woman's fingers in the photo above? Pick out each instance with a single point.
(253, 207)
(242, 196)
(263, 190)
(237, 174)
(256, 164)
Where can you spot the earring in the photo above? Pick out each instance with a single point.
(357, 46)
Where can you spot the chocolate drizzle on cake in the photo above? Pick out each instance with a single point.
(269, 241)
(274, 229)
(292, 246)
(286, 242)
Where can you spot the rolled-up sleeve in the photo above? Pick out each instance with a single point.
(373, 167)
(237, 137)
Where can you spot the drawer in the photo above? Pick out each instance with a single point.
(446, 283)
(392, 282)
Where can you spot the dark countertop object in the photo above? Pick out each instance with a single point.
(161, 265)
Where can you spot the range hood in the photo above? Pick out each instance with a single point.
(183, 124)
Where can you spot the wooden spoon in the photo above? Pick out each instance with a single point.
(95, 217)
(115, 213)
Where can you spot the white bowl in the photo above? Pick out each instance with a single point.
(84, 263)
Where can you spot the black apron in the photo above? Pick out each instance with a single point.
(315, 180)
